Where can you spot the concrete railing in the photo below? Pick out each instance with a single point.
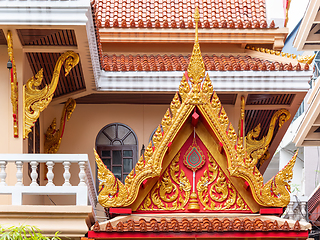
(18, 190)
(296, 209)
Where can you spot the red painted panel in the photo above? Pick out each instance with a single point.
(120, 210)
(271, 211)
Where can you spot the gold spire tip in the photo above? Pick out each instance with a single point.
(196, 18)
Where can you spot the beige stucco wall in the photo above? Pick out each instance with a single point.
(9, 144)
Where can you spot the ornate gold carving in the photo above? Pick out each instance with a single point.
(175, 105)
(52, 136)
(301, 59)
(196, 68)
(239, 163)
(14, 86)
(306, 59)
(172, 192)
(221, 195)
(166, 121)
(36, 100)
(111, 190)
(257, 148)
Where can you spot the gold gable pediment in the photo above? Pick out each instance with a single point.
(217, 134)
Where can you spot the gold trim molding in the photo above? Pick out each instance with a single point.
(36, 100)
(14, 86)
(301, 59)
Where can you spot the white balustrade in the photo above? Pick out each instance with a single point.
(3, 173)
(82, 174)
(19, 174)
(34, 173)
(50, 188)
(67, 174)
(50, 174)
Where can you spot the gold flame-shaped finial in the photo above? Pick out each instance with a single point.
(196, 68)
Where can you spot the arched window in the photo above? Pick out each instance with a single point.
(117, 146)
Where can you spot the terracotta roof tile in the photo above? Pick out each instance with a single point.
(180, 63)
(178, 14)
(197, 225)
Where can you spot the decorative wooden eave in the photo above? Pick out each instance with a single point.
(239, 163)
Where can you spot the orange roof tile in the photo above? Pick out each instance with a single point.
(180, 63)
(197, 225)
(178, 14)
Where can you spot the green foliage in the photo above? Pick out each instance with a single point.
(24, 232)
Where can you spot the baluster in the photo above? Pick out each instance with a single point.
(19, 173)
(82, 174)
(34, 173)
(66, 173)
(50, 174)
(303, 212)
(3, 173)
(290, 211)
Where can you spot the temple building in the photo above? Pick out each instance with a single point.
(111, 106)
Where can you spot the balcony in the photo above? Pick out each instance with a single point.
(29, 182)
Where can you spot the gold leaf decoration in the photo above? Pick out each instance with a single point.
(53, 137)
(36, 100)
(216, 192)
(111, 191)
(14, 86)
(173, 184)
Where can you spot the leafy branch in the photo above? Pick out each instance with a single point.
(24, 232)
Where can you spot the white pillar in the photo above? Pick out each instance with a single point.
(19, 173)
(50, 174)
(3, 173)
(34, 174)
(82, 174)
(66, 173)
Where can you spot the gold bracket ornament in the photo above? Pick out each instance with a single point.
(257, 148)
(53, 137)
(36, 100)
(14, 85)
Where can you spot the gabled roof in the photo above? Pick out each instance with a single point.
(178, 14)
(237, 157)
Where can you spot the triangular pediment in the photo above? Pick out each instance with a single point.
(196, 112)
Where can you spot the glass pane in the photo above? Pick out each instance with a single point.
(117, 172)
(103, 140)
(122, 131)
(111, 131)
(116, 157)
(105, 153)
(127, 153)
(130, 140)
(107, 162)
(127, 164)
(116, 143)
